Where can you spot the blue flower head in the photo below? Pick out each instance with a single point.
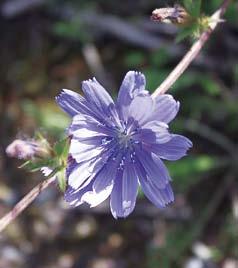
(117, 146)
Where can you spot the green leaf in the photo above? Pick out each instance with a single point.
(186, 32)
(61, 148)
(193, 7)
(188, 4)
(33, 165)
(196, 8)
(61, 179)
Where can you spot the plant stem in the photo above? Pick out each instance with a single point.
(193, 52)
(25, 202)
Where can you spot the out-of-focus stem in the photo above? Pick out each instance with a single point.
(193, 52)
(25, 202)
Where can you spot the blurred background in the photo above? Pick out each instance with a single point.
(47, 45)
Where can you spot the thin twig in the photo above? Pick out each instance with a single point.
(193, 52)
(25, 202)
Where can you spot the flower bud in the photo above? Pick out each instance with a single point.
(173, 15)
(28, 149)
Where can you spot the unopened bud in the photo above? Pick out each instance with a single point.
(27, 149)
(174, 15)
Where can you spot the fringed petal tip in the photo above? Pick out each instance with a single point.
(71, 102)
(65, 91)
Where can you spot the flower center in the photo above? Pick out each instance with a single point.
(124, 139)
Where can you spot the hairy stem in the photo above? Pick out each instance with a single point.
(193, 52)
(25, 202)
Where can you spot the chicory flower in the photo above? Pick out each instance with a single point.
(117, 146)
